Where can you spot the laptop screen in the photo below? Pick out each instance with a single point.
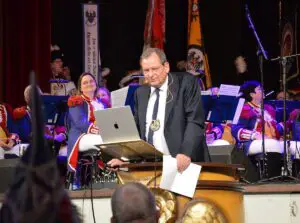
(117, 125)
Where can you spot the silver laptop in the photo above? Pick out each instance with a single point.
(117, 125)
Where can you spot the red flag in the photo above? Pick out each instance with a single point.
(154, 33)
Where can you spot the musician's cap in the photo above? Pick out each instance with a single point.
(130, 77)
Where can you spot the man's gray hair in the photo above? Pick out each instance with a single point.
(133, 202)
(27, 93)
(149, 51)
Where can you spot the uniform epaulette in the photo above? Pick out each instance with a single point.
(75, 101)
(19, 113)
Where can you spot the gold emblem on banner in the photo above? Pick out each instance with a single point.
(155, 125)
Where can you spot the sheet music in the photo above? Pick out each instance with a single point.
(238, 111)
(118, 97)
(182, 183)
(229, 90)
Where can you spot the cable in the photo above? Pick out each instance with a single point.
(92, 201)
(168, 91)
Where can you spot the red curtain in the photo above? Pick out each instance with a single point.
(26, 31)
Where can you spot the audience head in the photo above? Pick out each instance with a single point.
(155, 66)
(133, 202)
(87, 84)
(252, 91)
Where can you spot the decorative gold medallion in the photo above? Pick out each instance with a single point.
(155, 125)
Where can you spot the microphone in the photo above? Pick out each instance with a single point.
(269, 93)
(246, 8)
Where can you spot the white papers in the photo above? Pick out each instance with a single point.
(118, 97)
(229, 90)
(208, 92)
(182, 183)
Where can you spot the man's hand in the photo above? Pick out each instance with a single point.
(115, 163)
(183, 162)
(6, 146)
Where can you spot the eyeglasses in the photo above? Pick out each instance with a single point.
(155, 70)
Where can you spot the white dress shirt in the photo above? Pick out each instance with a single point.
(159, 141)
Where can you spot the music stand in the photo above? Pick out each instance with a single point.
(55, 109)
(207, 103)
(225, 108)
(130, 96)
(132, 151)
(279, 107)
(286, 170)
(124, 96)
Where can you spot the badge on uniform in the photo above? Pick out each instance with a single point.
(155, 125)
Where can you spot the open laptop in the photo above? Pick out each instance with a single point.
(120, 136)
(117, 125)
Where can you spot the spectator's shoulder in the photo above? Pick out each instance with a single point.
(74, 101)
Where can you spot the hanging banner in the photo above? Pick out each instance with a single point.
(197, 61)
(154, 33)
(90, 38)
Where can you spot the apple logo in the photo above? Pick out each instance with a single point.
(116, 126)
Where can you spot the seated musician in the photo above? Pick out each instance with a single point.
(104, 95)
(56, 136)
(8, 139)
(61, 84)
(292, 125)
(83, 133)
(213, 133)
(248, 130)
(218, 134)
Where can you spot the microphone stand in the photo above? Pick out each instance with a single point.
(262, 55)
(286, 156)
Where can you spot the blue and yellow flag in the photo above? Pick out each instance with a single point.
(197, 61)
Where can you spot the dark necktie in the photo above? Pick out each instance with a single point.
(154, 116)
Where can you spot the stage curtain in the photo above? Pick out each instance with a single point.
(26, 32)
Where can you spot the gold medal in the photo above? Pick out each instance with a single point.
(155, 125)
